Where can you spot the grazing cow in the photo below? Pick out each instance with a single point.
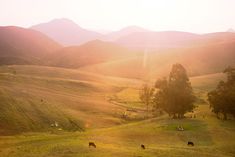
(190, 143)
(142, 146)
(92, 144)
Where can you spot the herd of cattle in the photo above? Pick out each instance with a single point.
(142, 146)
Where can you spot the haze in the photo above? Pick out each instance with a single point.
(198, 16)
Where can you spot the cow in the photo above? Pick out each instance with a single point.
(190, 143)
(142, 146)
(92, 144)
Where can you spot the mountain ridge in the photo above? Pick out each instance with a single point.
(24, 44)
(66, 32)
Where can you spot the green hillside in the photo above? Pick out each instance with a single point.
(34, 97)
(212, 138)
(90, 107)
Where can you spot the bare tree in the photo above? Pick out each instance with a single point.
(146, 95)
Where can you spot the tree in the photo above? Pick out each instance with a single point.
(222, 99)
(175, 95)
(146, 95)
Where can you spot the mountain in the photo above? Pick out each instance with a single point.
(123, 32)
(217, 37)
(92, 52)
(211, 54)
(200, 54)
(24, 46)
(153, 40)
(172, 39)
(66, 32)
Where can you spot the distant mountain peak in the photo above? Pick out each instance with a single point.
(133, 28)
(113, 36)
(66, 31)
(63, 20)
(59, 22)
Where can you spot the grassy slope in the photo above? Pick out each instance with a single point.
(207, 82)
(34, 97)
(212, 138)
(72, 94)
(24, 46)
(93, 52)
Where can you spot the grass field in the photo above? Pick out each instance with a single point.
(212, 137)
(33, 97)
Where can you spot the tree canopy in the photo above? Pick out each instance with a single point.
(222, 99)
(175, 95)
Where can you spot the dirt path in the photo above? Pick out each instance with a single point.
(133, 109)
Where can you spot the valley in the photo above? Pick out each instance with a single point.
(67, 91)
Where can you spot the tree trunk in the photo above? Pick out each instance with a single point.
(180, 116)
(147, 110)
(225, 116)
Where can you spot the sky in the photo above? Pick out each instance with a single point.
(198, 16)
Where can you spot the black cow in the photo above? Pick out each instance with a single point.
(142, 146)
(190, 143)
(92, 144)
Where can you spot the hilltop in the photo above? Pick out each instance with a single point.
(66, 32)
(24, 46)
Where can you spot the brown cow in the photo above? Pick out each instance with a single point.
(142, 146)
(190, 143)
(92, 144)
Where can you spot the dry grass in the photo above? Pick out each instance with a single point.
(82, 98)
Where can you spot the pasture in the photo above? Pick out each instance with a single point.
(89, 107)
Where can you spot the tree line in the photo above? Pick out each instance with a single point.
(222, 99)
(174, 95)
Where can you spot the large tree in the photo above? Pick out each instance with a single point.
(222, 99)
(175, 95)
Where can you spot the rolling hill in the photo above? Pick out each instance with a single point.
(113, 36)
(209, 53)
(66, 32)
(154, 40)
(24, 46)
(212, 138)
(90, 53)
(172, 39)
(198, 60)
(32, 98)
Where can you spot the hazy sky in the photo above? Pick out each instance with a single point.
(183, 15)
